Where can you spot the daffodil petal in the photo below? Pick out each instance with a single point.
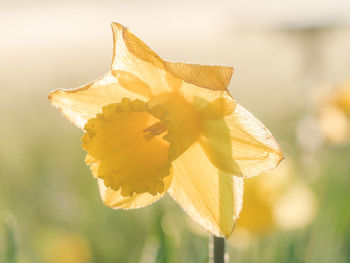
(209, 103)
(80, 105)
(210, 77)
(215, 140)
(212, 198)
(252, 145)
(181, 119)
(132, 83)
(130, 54)
(220, 107)
(116, 200)
(215, 137)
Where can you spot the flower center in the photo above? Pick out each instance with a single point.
(154, 130)
(131, 144)
(126, 148)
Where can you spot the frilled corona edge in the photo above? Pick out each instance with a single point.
(153, 126)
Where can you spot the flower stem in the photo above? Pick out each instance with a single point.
(216, 249)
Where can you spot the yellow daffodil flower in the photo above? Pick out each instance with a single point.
(334, 115)
(153, 126)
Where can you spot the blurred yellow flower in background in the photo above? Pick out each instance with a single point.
(334, 114)
(66, 248)
(153, 126)
(275, 200)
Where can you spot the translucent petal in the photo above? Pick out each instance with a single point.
(212, 198)
(80, 105)
(132, 83)
(116, 200)
(210, 77)
(214, 135)
(130, 54)
(181, 119)
(218, 108)
(211, 104)
(252, 145)
(216, 141)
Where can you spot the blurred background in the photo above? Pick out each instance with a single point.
(292, 66)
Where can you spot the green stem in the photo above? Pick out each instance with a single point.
(216, 249)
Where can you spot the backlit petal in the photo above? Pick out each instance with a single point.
(181, 119)
(216, 141)
(214, 136)
(209, 103)
(253, 147)
(212, 198)
(116, 200)
(80, 105)
(132, 55)
(210, 77)
(218, 108)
